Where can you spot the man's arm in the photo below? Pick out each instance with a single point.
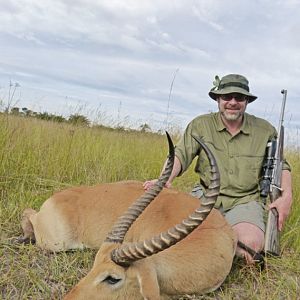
(176, 170)
(284, 202)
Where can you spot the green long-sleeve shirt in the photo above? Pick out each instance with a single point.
(239, 157)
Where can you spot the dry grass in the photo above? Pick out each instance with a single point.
(38, 158)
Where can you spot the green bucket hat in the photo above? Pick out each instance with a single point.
(231, 83)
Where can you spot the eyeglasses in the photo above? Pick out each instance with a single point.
(237, 97)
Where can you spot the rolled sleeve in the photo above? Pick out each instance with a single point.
(286, 166)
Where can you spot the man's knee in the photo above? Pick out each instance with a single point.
(250, 235)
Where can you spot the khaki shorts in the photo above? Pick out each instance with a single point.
(252, 212)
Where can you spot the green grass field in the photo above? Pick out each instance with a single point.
(39, 157)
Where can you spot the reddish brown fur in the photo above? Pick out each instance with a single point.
(83, 216)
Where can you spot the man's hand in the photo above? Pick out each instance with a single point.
(283, 206)
(150, 183)
(176, 170)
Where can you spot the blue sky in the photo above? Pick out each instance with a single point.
(115, 60)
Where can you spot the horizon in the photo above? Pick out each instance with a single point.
(148, 61)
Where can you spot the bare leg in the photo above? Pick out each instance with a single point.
(252, 236)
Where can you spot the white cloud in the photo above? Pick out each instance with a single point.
(127, 51)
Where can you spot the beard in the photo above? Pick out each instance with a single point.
(231, 112)
(231, 116)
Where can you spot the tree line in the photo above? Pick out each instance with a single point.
(74, 119)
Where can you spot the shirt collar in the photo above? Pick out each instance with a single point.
(245, 128)
(220, 124)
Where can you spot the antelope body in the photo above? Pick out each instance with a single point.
(124, 267)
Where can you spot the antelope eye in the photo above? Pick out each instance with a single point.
(111, 280)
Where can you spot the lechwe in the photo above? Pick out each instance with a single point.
(125, 268)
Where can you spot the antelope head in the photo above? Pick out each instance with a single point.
(123, 270)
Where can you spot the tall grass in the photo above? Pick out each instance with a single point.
(38, 158)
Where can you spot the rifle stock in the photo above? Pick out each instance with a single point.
(272, 246)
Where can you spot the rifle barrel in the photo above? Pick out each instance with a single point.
(281, 119)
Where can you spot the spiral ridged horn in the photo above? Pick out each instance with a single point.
(131, 252)
(124, 222)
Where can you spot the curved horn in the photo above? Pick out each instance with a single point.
(124, 222)
(131, 252)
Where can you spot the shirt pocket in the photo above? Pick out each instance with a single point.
(247, 171)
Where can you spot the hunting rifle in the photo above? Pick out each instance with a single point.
(270, 184)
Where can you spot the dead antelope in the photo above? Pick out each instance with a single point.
(125, 268)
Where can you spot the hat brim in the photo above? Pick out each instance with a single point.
(229, 90)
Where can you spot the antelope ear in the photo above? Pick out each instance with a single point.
(147, 279)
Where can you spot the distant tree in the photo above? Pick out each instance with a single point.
(77, 119)
(27, 112)
(15, 111)
(1, 105)
(120, 128)
(59, 119)
(145, 128)
(43, 116)
(48, 117)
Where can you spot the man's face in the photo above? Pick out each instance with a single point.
(232, 106)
